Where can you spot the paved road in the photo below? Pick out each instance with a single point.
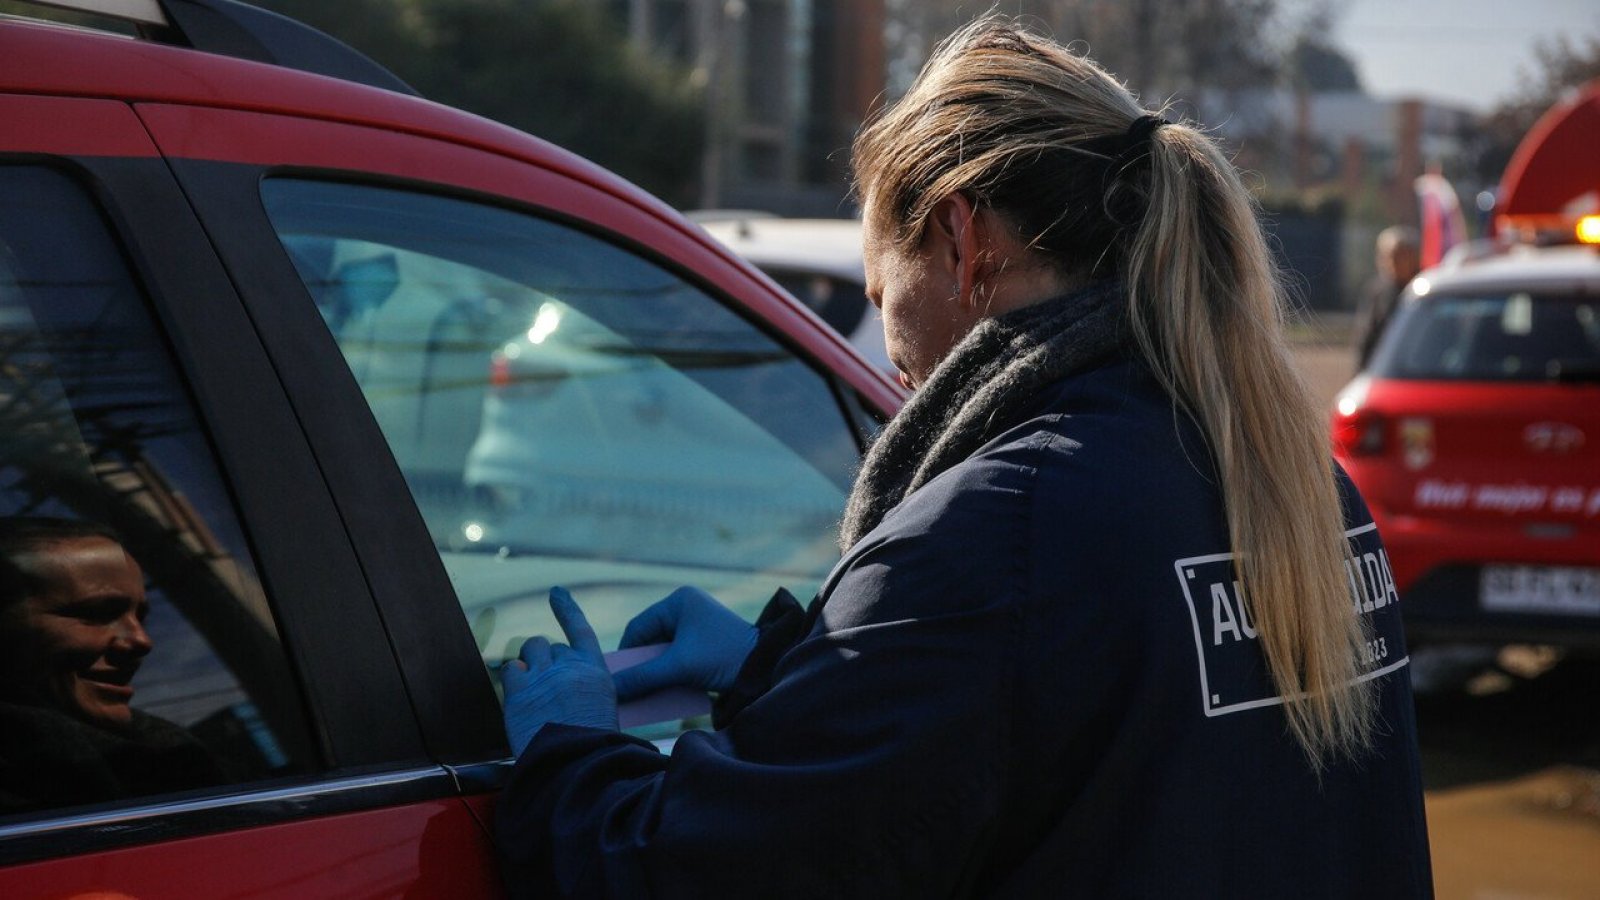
(1327, 367)
(1510, 750)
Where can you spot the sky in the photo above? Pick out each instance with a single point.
(1464, 52)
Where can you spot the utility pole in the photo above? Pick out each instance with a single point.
(713, 19)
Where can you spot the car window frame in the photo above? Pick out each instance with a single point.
(449, 687)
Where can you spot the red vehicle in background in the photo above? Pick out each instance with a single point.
(1474, 434)
(256, 314)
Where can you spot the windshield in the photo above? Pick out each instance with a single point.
(1498, 336)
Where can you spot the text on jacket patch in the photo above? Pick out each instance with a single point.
(1233, 673)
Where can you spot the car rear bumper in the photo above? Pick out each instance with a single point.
(1439, 567)
(1444, 605)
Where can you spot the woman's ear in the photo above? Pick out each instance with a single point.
(956, 243)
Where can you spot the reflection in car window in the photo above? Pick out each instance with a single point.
(1516, 336)
(840, 303)
(139, 652)
(566, 412)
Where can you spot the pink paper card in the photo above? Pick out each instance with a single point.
(665, 705)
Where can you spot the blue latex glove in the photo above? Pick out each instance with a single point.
(709, 645)
(558, 683)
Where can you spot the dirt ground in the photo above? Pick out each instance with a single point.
(1510, 747)
(1511, 760)
(1327, 367)
(1533, 837)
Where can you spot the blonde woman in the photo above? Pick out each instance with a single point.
(1108, 621)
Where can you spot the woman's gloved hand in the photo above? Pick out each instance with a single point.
(709, 645)
(556, 682)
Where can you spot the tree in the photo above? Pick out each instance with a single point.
(382, 29)
(1315, 65)
(558, 69)
(1163, 48)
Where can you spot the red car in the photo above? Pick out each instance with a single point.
(1474, 435)
(254, 322)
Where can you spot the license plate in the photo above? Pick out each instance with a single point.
(1551, 590)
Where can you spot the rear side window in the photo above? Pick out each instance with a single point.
(138, 653)
(1513, 336)
(568, 412)
(840, 303)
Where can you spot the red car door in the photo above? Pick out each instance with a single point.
(301, 289)
(127, 350)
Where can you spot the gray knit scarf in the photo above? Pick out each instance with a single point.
(986, 383)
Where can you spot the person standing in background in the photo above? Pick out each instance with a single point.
(1398, 257)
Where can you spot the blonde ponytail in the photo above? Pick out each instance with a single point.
(1207, 309)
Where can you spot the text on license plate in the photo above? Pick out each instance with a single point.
(1558, 590)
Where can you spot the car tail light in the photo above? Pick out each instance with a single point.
(1588, 230)
(1359, 432)
(512, 373)
(500, 376)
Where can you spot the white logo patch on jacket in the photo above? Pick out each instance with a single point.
(1233, 670)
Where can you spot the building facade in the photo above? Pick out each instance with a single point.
(786, 85)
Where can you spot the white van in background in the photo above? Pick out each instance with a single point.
(816, 260)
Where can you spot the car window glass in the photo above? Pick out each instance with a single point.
(1514, 336)
(840, 303)
(566, 412)
(138, 653)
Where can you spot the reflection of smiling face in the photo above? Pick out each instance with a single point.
(75, 644)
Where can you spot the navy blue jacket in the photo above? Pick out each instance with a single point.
(1033, 679)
